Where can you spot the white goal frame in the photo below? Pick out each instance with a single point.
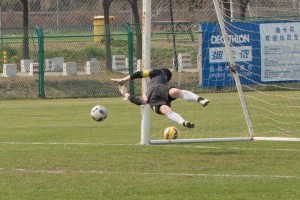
(146, 64)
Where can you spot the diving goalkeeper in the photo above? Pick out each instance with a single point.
(159, 94)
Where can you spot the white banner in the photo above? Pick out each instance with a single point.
(280, 51)
(239, 54)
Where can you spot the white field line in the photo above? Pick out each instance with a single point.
(153, 146)
(2, 170)
(255, 176)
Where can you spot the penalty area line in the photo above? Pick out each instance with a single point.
(255, 176)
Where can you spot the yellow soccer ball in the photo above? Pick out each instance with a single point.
(171, 133)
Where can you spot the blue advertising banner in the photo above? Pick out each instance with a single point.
(262, 51)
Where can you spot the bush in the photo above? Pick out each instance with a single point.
(77, 56)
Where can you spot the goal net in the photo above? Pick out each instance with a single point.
(247, 62)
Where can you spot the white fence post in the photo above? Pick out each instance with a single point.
(69, 68)
(9, 70)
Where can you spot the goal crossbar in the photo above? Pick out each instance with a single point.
(207, 140)
(228, 43)
(177, 141)
(282, 139)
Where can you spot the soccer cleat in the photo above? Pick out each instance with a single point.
(188, 124)
(123, 90)
(204, 102)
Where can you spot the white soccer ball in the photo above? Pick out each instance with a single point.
(99, 113)
(171, 133)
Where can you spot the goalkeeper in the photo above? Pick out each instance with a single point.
(159, 94)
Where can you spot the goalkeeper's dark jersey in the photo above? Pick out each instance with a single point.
(155, 75)
(157, 87)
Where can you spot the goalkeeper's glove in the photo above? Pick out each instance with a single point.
(120, 81)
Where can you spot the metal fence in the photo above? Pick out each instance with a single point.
(78, 12)
(77, 46)
(79, 61)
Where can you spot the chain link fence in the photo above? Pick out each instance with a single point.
(74, 62)
(79, 62)
(78, 12)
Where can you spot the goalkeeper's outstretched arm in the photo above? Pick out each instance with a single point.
(124, 91)
(135, 75)
(137, 100)
(131, 97)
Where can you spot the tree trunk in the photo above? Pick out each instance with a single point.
(25, 29)
(108, 58)
(243, 8)
(227, 11)
(176, 65)
(138, 32)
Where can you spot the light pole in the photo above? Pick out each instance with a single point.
(1, 39)
(231, 10)
(57, 23)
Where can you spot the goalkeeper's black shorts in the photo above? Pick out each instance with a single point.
(158, 95)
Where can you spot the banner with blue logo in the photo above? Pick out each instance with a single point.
(262, 51)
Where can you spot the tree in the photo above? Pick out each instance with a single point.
(173, 35)
(138, 32)
(106, 4)
(25, 29)
(227, 11)
(243, 8)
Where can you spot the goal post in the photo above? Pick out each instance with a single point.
(248, 69)
(233, 68)
(146, 65)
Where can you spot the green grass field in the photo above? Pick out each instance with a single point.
(52, 149)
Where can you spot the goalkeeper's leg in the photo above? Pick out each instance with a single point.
(188, 96)
(175, 117)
